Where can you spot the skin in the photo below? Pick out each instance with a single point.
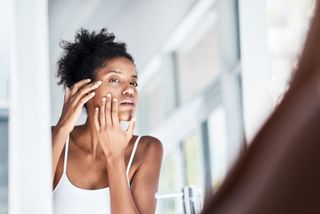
(100, 149)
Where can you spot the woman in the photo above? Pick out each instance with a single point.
(98, 167)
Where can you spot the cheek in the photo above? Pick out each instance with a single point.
(98, 96)
(103, 91)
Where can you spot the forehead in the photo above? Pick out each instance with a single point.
(120, 64)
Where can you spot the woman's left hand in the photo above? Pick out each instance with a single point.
(112, 137)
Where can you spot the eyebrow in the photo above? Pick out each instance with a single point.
(119, 72)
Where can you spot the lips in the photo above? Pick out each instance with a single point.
(127, 102)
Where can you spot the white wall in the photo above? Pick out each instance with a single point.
(30, 180)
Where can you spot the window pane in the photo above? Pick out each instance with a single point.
(198, 59)
(157, 98)
(193, 159)
(171, 181)
(218, 145)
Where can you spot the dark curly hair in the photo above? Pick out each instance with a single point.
(88, 52)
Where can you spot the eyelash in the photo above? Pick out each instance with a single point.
(111, 80)
(132, 83)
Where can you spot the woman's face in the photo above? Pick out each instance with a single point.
(119, 78)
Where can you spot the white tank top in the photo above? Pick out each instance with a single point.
(70, 199)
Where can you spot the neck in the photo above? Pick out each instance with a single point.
(87, 134)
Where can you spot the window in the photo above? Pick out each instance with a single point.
(178, 93)
(171, 181)
(218, 146)
(157, 97)
(192, 154)
(198, 59)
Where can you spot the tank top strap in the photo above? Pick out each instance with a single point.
(65, 160)
(132, 156)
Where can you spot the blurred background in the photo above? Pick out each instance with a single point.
(210, 72)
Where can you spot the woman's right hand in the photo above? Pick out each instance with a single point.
(74, 99)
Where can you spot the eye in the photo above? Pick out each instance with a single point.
(134, 84)
(114, 81)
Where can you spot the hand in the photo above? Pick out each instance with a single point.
(74, 99)
(112, 137)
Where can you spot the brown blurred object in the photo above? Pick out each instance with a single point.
(280, 171)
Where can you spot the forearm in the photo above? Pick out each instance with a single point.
(58, 137)
(120, 195)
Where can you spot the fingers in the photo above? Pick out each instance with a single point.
(78, 85)
(85, 99)
(114, 114)
(103, 113)
(96, 118)
(131, 126)
(108, 111)
(83, 91)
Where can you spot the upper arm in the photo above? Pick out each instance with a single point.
(146, 179)
(52, 127)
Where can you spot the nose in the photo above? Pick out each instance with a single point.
(129, 90)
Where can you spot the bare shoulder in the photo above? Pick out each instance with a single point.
(151, 146)
(53, 129)
(151, 143)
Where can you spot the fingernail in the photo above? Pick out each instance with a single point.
(115, 100)
(88, 80)
(96, 109)
(108, 95)
(98, 82)
(104, 98)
